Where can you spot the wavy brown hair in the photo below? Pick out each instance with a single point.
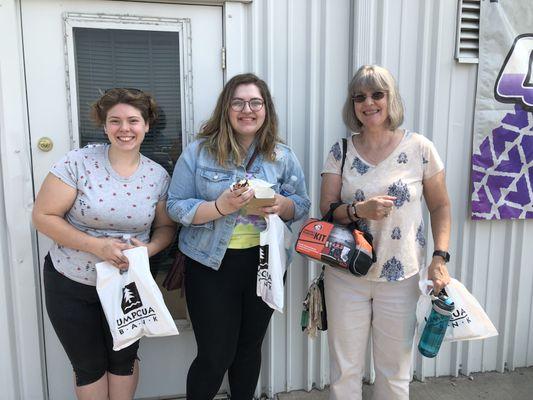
(142, 101)
(220, 140)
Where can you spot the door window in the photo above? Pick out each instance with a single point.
(145, 60)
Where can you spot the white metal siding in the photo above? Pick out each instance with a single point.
(21, 358)
(9, 378)
(307, 52)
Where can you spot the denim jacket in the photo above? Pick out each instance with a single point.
(198, 177)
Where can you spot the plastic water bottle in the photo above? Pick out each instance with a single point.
(436, 326)
(289, 188)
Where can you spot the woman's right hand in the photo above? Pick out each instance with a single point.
(375, 208)
(110, 250)
(230, 201)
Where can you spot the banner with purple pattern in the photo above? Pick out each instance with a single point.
(502, 160)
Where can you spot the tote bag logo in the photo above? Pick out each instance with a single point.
(130, 298)
(459, 317)
(263, 257)
(263, 275)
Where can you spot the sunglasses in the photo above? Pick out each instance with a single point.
(359, 98)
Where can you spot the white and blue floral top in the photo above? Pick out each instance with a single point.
(398, 239)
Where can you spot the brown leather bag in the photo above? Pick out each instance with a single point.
(175, 278)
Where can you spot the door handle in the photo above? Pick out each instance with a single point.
(45, 144)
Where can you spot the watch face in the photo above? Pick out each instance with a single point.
(444, 254)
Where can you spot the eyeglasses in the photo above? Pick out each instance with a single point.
(359, 98)
(254, 104)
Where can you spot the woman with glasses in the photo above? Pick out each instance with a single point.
(386, 173)
(92, 200)
(221, 242)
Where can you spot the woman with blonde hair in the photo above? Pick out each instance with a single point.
(387, 172)
(221, 242)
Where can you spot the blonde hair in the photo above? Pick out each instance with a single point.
(220, 140)
(373, 77)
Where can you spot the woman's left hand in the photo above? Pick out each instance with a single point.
(136, 242)
(438, 273)
(283, 206)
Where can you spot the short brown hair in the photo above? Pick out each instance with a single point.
(220, 139)
(142, 101)
(373, 77)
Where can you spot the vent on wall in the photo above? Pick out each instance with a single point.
(467, 39)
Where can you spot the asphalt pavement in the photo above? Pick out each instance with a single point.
(515, 385)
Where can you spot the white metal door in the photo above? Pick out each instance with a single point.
(55, 36)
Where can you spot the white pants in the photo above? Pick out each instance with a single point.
(356, 307)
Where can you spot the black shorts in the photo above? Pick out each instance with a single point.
(79, 321)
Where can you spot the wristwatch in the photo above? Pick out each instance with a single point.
(444, 254)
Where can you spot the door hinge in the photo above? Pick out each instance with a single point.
(223, 58)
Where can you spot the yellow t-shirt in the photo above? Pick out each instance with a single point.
(246, 231)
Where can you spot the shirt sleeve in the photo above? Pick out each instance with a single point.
(165, 183)
(66, 169)
(432, 163)
(333, 160)
(301, 200)
(182, 202)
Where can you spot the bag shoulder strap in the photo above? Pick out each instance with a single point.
(333, 206)
(252, 159)
(329, 215)
(344, 149)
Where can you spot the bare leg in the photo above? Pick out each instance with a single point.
(93, 391)
(123, 387)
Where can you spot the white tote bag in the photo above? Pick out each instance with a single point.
(132, 302)
(273, 241)
(469, 321)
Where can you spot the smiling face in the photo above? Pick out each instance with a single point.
(372, 113)
(125, 127)
(247, 122)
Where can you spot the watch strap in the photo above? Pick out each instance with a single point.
(441, 253)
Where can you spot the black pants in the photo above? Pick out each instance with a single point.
(79, 321)
(229, 323)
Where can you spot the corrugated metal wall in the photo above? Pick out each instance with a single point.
(21, 358)
(307, 50)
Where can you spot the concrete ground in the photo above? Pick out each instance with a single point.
(516, 385)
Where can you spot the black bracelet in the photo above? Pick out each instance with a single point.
(219, 209)
(350, 217)
(355, 211)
